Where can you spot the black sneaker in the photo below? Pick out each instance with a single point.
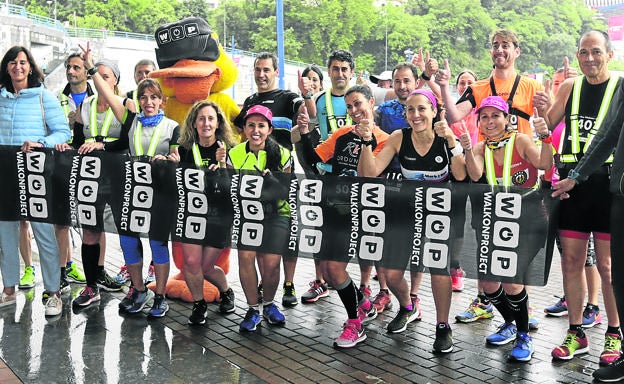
(227, 301)
(611, 373)
(403, 317)
(289, 298)
(198, 316)
(107, 283)
(127, 302)
(444, 339)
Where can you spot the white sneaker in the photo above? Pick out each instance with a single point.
(54, 305)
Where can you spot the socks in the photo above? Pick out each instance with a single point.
(90, 256)
(348, 294)
(500, 301)
(519, 305)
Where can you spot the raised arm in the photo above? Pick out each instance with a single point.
(454, 112)
(372, 166)
(103, 89)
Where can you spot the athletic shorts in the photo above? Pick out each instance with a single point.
(589, 207)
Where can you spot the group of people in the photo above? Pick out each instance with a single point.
(499, 132)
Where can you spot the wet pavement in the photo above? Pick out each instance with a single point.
(99, 345)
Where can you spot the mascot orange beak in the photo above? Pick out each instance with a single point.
(193, 77)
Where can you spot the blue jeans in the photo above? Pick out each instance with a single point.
(49, 257)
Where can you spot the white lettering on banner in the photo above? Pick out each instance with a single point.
(251, 186)
(181, 211)
(354, 211)
(198, 203)
(486, 222)
(310, 240)
(142, 197)
(35, 162)
(506, 234)
(294, 216)
(142, 172)
(435, 255)
(373, 221)
(252, 233)
(90, 167)
(236, 221)
(125, 204)
(252, 210)
(36, 185)
(38, 207)
(418, 219)
(437, 228)
(73, 175)
(310, 191)
(505, 263)
(438, 200)
(21, 184)
(86, 214)
(193, 179)
(195, 227)
(508, 205)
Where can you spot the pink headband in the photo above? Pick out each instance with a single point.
(428, 94)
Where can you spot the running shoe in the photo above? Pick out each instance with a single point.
(140, 299)
(74, 275)
(612, 349)
(352, 334)
(53, 306)
(273, 315)
(610, 373)
(107, 283)
(289, 297)
(227, 301)
(160, 307)
(151, 275)
(28, 278)
(6, 300)
(366, 312)
(476, 310)
(444, 339)
(383, 301)
(366, 291)
(572, 345)
(560, 308)
(123, 276)
(533, 322)
(316, 291)
(64, 286)
(591, 316)
(127, 302)
(403, 318)
(523, 348)
(88, 295)
(251, 320)
(198, 316)
(457, 279)
(505, 333)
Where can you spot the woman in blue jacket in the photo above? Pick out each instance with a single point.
(31, 117)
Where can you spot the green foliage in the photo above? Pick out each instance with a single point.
(457, 30)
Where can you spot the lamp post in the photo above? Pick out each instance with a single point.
(386, 44)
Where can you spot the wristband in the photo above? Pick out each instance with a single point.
(307, 96)
(425, 77)
(547, 140)
(543, 136)
(368, 143)
(456, 150)
(92, 71)
(574, 175)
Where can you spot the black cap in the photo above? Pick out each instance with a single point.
(189, 38)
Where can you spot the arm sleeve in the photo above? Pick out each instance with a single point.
(175, 138)
(308, 154)
(79, 137)
(55, 120)
(468, 96)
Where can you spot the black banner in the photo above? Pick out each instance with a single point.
(504, 235)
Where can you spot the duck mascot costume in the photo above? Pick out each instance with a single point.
(193, 67)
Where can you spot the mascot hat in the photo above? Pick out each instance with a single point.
(189, 38)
